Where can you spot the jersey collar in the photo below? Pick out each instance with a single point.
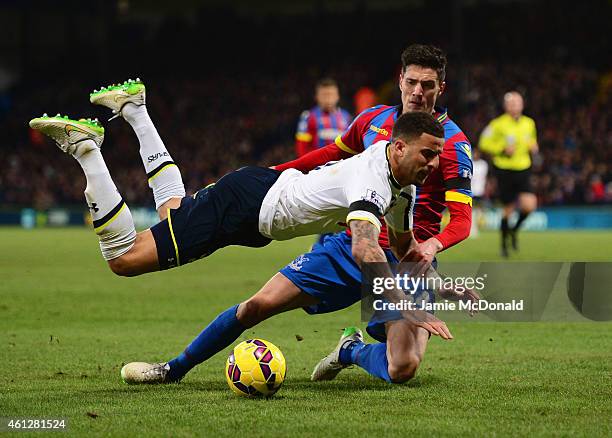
(440, 113)
(392, 179)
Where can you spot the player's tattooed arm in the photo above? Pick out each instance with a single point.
(366, 249)
(365, 246)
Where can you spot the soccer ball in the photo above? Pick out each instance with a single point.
(255, 368)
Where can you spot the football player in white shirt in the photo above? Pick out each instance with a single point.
(251, 207)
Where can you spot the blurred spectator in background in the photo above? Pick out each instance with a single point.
(320, 125)
(510, 139)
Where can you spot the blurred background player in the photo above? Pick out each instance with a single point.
(321, 124)
(510, 139)
(479, 186)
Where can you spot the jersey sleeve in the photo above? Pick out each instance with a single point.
(315, 158)
(399, 216)
(368, 196)
(351, 140)
(457, 168)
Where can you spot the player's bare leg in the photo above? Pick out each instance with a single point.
(406, 344)
(278, 295)
(140, 259)
(128, 101)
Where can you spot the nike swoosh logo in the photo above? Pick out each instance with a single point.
(70, 129)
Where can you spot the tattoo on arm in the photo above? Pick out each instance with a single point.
(366, 248)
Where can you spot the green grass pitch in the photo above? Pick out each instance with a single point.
(67, 325)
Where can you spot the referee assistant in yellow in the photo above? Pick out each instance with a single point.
(510, 139)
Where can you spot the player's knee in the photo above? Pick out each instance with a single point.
(123, 266)
(170, 204)
(403, 370)
(250, 313)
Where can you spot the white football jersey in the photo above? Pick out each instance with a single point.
(318, 202)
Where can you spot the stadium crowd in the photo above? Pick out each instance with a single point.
(243, 108)
(211, 130)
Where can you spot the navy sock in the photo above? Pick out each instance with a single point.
(220, 333)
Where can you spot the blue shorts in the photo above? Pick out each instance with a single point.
(226, 213)
(330, 274)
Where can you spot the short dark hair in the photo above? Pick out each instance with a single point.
(326, 82)
(425, 56)
(411, 125)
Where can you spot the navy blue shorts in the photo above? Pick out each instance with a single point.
(226, 213)
(330, 274)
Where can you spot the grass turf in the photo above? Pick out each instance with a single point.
(67, 325)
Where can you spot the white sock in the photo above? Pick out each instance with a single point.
(164, 176)
(112, 219)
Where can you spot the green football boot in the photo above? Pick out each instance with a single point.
(116, 96)
(329, 367)
(70, 134)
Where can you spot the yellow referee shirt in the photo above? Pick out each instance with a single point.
(504, 131)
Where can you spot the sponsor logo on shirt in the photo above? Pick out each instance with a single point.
(380, 131)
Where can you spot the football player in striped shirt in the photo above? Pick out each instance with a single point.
(421, 82)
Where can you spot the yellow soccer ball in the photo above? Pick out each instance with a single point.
(255, 368)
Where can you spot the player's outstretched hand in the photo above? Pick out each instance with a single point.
(429, 322)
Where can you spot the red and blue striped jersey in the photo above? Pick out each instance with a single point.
(449, 182)
(318, 128)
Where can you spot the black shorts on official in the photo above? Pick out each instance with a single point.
(512, 182)
(226, 213)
